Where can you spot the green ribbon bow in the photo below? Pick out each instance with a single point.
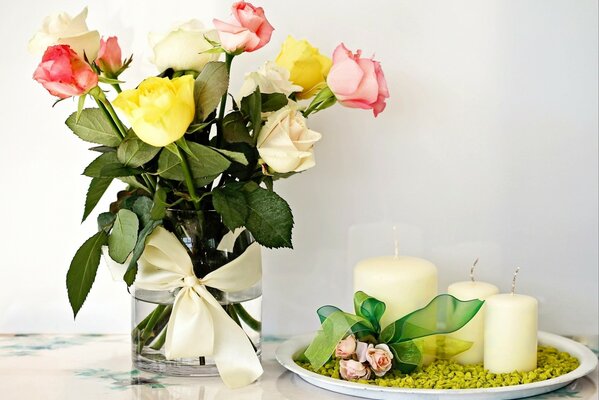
(406, 337)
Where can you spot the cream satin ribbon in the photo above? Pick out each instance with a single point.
(198, 325)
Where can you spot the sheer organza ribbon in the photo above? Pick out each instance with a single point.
(198, 325)
(405, 337)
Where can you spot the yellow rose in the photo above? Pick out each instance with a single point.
(307, 66)
(159, 110)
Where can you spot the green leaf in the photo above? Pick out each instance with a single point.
(103, 149)
(94, 127)
(142, 207)
(129, 276)
(97, 188)
(273, 101)
(209, 88)
(230, 202)
(252, 107)
(235, 129)
(324, 99)
(133, 152)
(107, 165)
(213, 50)
(235, 156)
(370, 308)
(205, 164)
(131, 181)
(106, 220)
(270, 220)
(123, 236)
(159, 205)
(80, 105)
(193, 128)
(83, 268)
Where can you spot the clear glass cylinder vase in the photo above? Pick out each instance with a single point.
(210, 245)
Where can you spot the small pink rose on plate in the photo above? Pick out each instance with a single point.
(357, 82)
(352, 370)
(63, 73)
(247, 29)
(380, 359)
(346, 347)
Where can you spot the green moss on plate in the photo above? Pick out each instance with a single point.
(447, 374)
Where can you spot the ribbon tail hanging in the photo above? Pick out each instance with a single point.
(233, 353)
(190, 331)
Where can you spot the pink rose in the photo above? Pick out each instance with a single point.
(346, 347)
(357, 82)
(351, 370)
(379, 357)
(63, 73)
(109, 56)
(247, 30)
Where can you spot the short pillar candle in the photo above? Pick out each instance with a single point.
(510, 342)
(473, 331)
(404, 283)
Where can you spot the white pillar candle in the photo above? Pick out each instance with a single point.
(473, 331)
(405, 284)
(510, 333)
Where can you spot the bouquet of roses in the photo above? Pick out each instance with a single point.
(190, 143)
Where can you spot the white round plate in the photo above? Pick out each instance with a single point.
(289, 349)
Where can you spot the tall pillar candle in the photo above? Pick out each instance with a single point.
(510, 333)
(473, 331)
(404, 283)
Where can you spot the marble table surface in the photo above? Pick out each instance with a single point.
(65, 367)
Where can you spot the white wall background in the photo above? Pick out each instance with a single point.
(488, 148)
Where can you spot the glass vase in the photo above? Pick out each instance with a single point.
(202, 234)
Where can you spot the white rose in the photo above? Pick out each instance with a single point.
(182, 47)
(62, 29)
(285, 143)
(270, 78)
(346, 347)
(352, 370)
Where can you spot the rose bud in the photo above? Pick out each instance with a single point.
(64, 74)
(352, 370)
(361, 349)
(109, 56)
(346, 347)
(247, 29)
(379, 357)
(357, 82)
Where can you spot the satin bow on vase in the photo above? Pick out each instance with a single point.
(198, 325)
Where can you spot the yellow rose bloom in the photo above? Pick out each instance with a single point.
(307, 66)
(160, 109)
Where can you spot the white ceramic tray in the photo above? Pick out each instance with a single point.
(287, 351)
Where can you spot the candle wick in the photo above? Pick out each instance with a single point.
(514, 280)
(472, 269)
(395, 242)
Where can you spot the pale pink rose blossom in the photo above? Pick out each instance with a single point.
(63, 73)
(357, 82)
(109, 56)
(379, 357)
(352, 370)
(346, 347)
(247, 29)
(361, 349)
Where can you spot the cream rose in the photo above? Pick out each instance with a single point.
(379, 357)
(63, 29)
(346, 347)
(182, 48)
(270, 78)
(351, 370)
(285, 143)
